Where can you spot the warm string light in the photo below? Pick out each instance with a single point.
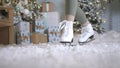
(29, 5)
(94, 10)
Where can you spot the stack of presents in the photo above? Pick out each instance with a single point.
(43, 30)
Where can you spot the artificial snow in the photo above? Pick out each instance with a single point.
(103, 52)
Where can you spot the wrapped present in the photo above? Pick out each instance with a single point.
(53, 34)
(39, 38)
(47, 7)
(23, 37)
(40, 24)
(43, 38)
(23, 26)
(22, 32)
(51, 18)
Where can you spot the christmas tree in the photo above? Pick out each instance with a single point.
(94, 10)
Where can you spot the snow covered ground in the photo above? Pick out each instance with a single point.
(104, 52)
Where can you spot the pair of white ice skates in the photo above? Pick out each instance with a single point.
(87, 32)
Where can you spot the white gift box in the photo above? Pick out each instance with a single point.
(51, 18)
(23, 26)
(45, 20)
(22, 32)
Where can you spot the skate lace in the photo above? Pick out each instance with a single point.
(66, 29)
(61, 25)
(84, 32)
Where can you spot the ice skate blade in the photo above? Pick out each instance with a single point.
(91, 38)
(66, 42)
(83, 43)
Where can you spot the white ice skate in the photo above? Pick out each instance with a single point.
(87, 34)
(67, 34)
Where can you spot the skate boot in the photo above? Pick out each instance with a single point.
(87, 34)
(67, 33)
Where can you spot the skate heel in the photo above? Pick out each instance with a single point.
(91, 37)
(67, 42)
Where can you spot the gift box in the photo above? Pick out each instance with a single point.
(23, 26)
(23, 37)
(51, 18)
(22, 32)
(40, 24)
(47, 7)
(37, 38)
(43, 38)
(53, 34)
